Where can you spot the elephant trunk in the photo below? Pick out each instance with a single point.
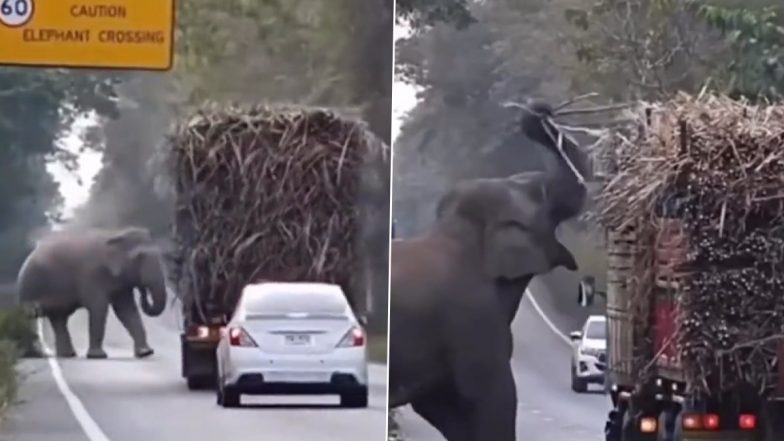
(568, 192)
(153, 298)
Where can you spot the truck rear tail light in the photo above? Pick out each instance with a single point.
(747, 421)
(692, 422)
(200, 331)
(695, 421)
(238, 337)
(710, 421)
(648, 425)
(354, 337)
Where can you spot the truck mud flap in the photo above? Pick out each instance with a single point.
(198, 359)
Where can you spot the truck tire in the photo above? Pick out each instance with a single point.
(578, 385)
(355, 398)
(198, 383)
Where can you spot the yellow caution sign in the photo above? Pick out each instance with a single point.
(114, 34)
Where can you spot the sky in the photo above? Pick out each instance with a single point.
(76, 193)
(403, 95)
(73, 191)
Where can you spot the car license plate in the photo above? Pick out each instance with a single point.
(297, 339)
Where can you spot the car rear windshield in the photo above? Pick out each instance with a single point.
(282, 305)
(596, 330)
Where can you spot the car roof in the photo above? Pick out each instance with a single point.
(596, 318)
(294, 287)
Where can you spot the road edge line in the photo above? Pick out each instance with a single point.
(546, 319)
(86, 422)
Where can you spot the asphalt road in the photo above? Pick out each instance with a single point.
(125, 399)
(548, 410)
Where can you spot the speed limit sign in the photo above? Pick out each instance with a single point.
(15, 13)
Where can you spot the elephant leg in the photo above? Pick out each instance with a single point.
(97, 329)
(494, 412)
(126, 311)
(483, 378)
(445, 412)
(62, 338)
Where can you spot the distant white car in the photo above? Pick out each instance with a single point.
(589, 356)
(293, 338)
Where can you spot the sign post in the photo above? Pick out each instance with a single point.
(100, 34)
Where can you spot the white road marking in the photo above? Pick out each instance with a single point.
(88, 424)
(546, 319)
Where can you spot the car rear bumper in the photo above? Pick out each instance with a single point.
(256, 383)
(254, 371)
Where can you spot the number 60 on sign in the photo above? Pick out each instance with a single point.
(14, 13)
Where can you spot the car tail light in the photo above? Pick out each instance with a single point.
(747, 421)
(353, 338)
(239, 337)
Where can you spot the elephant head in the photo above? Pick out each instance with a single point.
(506, 221)
(135, 260)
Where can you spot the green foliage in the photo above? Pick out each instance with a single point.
(9, 383)
(36, 107)
(757, 41)
(660, 46)
(17, 327)
(423, 13)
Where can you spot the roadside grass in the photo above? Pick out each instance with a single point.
(377, 348)
(17, 339)
(393, 432)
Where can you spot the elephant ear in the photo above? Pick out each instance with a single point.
(510, 252)
(123, 246)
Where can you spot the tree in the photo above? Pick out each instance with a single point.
(36, 108)
(651, 48)
(423, 13)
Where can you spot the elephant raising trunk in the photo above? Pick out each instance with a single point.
(565, 185)
(455, 290)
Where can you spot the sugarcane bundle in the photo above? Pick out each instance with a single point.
(717, 165)
(269, 193)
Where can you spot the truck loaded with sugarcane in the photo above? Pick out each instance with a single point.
(692, 201)
(268, 194)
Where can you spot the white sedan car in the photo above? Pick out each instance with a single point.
(293, 338)
(589, 357)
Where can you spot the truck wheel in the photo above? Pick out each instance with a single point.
(355, 398)
(198, 383)
(578, 385)
(612, 428)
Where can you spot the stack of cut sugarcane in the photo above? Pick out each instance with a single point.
(716, 164)
(268, 194)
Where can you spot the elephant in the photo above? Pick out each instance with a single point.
(93, 269)
(455, 289)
